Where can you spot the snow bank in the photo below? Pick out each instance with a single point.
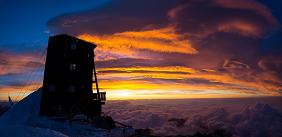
(22, 120)
(26, 131)
(18, 121)
(24, 112)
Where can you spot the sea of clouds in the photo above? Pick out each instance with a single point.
(256, 117)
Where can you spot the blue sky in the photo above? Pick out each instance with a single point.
(25, 22)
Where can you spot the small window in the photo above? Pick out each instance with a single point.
(60, 107)
(52, 88)
(72, 66)
(73, 45)
(72, 88)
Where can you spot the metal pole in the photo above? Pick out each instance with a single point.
(96, 80)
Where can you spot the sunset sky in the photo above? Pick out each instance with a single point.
(150, 49)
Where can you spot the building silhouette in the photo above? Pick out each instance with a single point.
(68, 79)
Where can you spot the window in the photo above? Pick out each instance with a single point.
(72, 66)
(60, 107)
(73, 45)
(52, 88)
(72, 88)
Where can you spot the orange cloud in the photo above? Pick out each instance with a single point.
(233, 64)
(153, 69)
(241, 27)
(173, 12)
(127, 44)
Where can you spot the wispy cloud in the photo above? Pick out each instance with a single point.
(129, 43)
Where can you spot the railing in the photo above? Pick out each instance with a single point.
(101, 95)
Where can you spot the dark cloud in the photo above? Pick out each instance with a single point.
(117, 16)
(205, 17)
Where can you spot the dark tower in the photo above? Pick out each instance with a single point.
(68, 79)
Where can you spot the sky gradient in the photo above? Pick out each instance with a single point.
(151, 49)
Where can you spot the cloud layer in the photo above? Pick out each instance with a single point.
(240, 117)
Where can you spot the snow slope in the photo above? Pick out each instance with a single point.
(18, 121)
(22, 120)
(24, 112)
(27, 131)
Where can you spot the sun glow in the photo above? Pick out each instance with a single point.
(125, 93)
(119, 94)
(164, 94)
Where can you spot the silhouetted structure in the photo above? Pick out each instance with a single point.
(68, 79)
